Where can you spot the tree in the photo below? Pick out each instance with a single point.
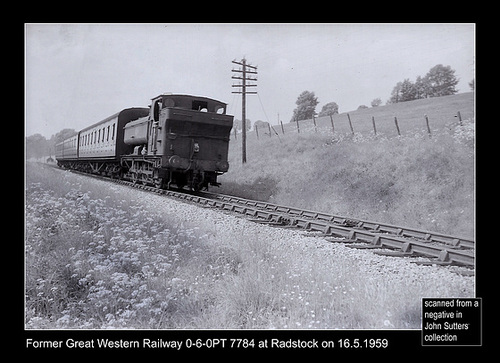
(237, 124)
(396, 93)
(63, 135)
(421, 88)
(306, 106)
(472, 85)
(260, 124)
(36, 146)
(376, 102)
(403, 91)
(330, 108)
(441, 81)
(408, 91)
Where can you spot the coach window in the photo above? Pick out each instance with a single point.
(113, 133)
(107, 138)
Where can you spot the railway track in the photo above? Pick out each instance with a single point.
(383, 238)
(403, 241)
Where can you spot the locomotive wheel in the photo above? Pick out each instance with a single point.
(135, 178)
(158, 182)
(144, 179)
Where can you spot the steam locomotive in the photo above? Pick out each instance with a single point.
(179, 140)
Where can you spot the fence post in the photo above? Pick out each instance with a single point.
(314, 122)
(397, 126)
(269, 127)
(282, 128)
(350, 123)
(257, 131)
(333, 127)
(235, 137)
(427, 123)
(459, 118)
(374, 128)
(297, 121)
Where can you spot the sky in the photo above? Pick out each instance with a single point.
(79, 74)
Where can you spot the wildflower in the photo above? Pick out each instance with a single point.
(388, 324)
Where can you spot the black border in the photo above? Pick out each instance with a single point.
(406, 341)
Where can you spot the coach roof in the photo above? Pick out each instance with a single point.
(116, 115)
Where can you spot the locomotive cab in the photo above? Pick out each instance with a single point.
(186, 102)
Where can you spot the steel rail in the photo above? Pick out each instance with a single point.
(406, 241)
(383, 237)
(459, 242)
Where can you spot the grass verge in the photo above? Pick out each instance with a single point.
(413, 180)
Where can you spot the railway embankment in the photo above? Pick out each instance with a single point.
(412, 180)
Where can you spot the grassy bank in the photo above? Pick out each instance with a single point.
(96, 259)
(411, 180)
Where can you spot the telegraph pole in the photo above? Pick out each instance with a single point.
(244, 70)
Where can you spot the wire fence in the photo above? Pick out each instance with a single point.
(363, 123)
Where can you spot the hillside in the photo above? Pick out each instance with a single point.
(408, 180)
(440, 111)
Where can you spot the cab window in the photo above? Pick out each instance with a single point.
(200, 106)
(221, 110)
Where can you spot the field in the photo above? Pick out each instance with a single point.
(411, 180)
